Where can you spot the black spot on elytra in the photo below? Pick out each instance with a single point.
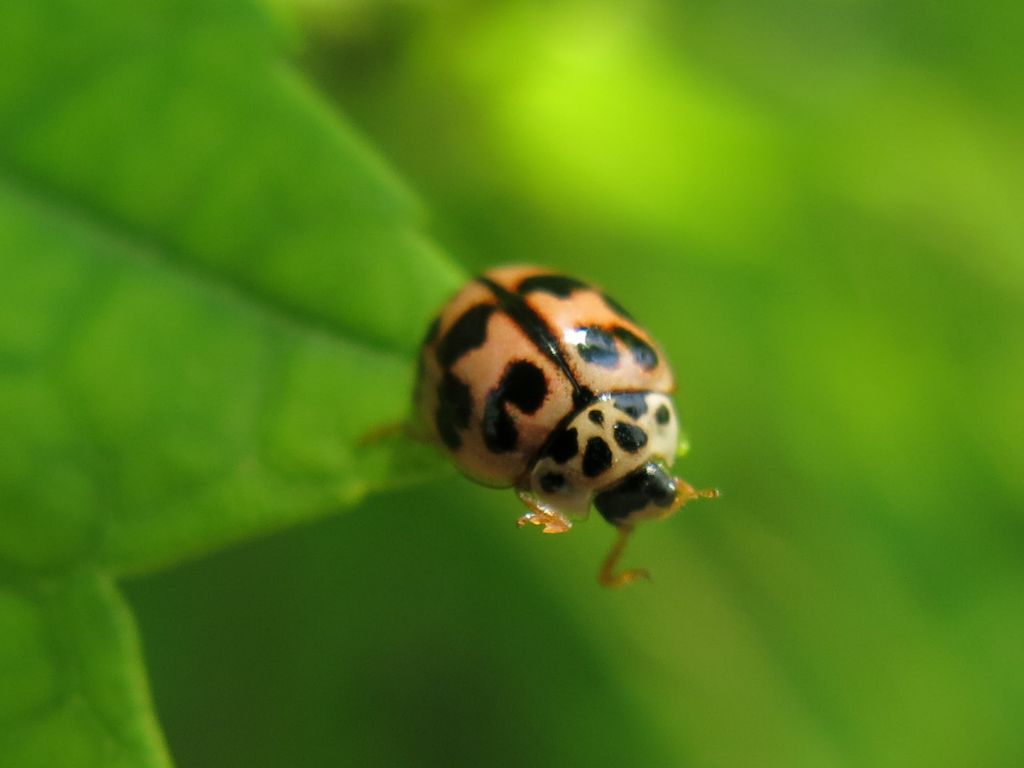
(564, 445)
(596, 416)
(643, 353)
(631, 403)
(597, 458)
(500, 433)
(649, 484)
(615, 307)
(454, 404)
(598, 347)
(467, 333)
(662, 415)
(552, 481)
(557, 285)
(524, 386)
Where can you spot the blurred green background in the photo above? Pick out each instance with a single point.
(818, 209)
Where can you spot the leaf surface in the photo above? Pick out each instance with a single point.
(211, 291)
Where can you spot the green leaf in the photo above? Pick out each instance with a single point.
(74, 691)
(211, 291)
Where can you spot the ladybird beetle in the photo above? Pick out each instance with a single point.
(537, 381)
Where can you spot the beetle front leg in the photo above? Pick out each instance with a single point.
(552, 521)
(609, 576)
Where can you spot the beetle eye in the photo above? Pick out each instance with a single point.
(649, 484)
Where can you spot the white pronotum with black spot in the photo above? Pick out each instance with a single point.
(609, 439)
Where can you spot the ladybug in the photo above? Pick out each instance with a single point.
(537, 381)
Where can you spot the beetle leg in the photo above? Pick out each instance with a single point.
(539, 515)
(393, 430)
(607, 576)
